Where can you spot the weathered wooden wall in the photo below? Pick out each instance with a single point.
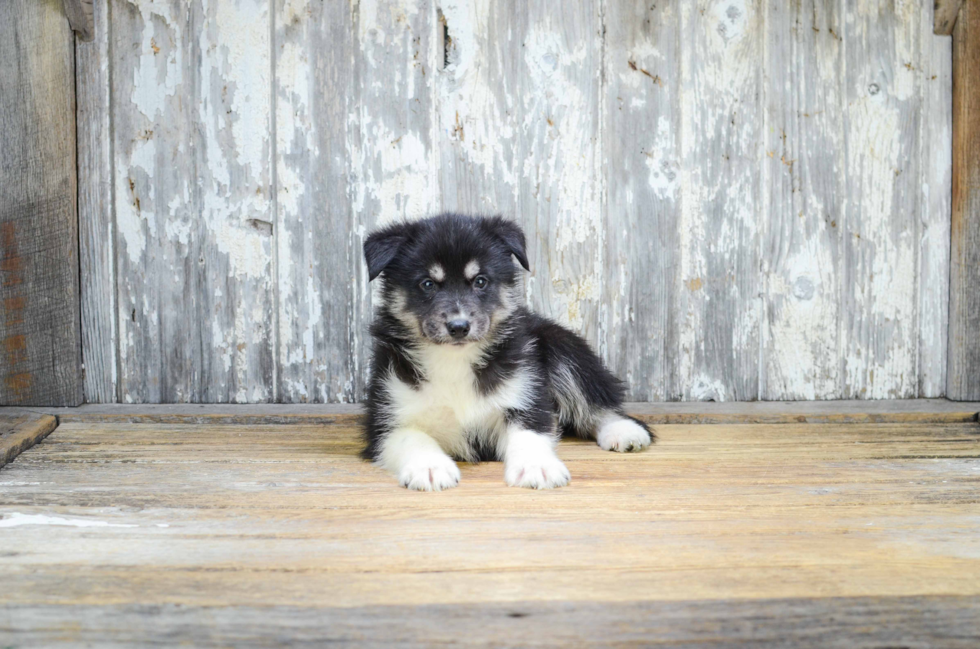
(40, 350)
(731, 199)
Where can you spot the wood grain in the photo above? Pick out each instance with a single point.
(519, 135)
(880, 223)
(40, 360)
(19, 432)
(192, 163)
(802, 249)
(81, 18)
(832, 623)
(196, 526)
(659, 156)
(935, 161)
(945, 13)
(963, 381)
(392, 140)
(557, 102)
(716, 356)
(317, 242)
(641, 154)
(96, 223)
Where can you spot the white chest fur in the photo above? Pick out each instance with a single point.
(448, 404)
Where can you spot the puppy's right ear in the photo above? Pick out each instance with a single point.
(382, 247)
(513, 237)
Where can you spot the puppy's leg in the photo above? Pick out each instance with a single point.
(417, 461)
(616, 432)
(530, 460)
(588, 398)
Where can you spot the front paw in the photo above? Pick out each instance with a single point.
(536, 473)
(429, 473)
(622, 435)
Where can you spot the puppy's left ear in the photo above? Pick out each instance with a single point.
(381, 247)
(513, 237)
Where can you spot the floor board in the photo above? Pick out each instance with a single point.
(721, 535)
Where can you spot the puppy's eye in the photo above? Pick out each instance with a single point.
(427, 285)
(480, 282)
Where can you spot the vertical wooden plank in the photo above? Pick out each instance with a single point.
(718, 302)
(935, 163)
(519, 122)
(963, 380)
(880, 221)
(641, 160)
(478, 69)
(192, 152)
(96, 227)
(560, 187)
(314, 51)
(803, 168)
(40, 350)
(393, 164)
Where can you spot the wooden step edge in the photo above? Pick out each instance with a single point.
(20, 431)
(921, 411)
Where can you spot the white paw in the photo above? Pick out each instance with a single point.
(541, 472)
(429, 472)
(623, 435)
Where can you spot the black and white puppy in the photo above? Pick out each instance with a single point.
(462, 370)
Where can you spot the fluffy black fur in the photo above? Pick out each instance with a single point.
(572, 387)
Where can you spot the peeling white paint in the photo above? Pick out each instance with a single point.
(159, 74)
(664, 174)
(16, 519)
(564, 157)
(514, 124)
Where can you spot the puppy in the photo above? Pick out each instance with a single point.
(463, 371)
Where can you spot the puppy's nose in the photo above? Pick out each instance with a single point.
(458, 328)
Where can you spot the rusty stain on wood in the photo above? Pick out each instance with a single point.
(40, 351)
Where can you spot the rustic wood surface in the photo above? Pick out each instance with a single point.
(81, 17)
(734, 199)
(40, 349)
(825, 534)
(935, 160)
(20, 431)
(641, 156)
(946, 12)
(803, 256)
(964, 294)
(96, 224)
(861, 411)
(318, 333)
(880, 219)
(518, 130)
(825, 623)
(191, 117)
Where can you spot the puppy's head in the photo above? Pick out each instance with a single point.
(448, 278)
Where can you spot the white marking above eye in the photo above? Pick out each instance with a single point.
(472, 269)
(437, 272)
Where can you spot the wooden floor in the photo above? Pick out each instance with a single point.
(824, 535)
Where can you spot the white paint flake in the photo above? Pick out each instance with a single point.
(17, 519)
